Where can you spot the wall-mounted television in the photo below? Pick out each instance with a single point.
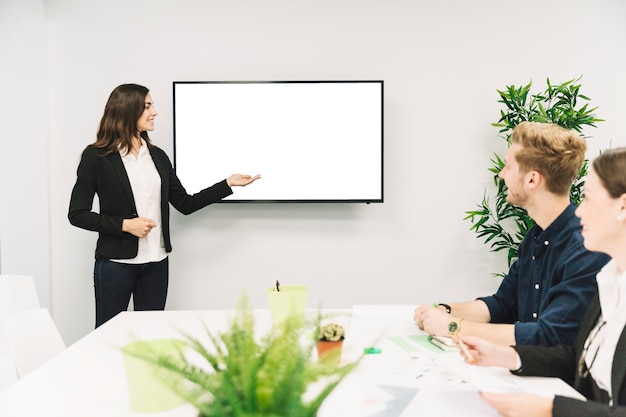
(311, 141)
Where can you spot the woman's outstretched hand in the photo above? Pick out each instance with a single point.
(241, 180)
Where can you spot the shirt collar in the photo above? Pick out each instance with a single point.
(125, 154)
(557, 226)
(611, 283)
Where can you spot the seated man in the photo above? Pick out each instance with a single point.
(544, 296)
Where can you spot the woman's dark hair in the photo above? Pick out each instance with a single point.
(610, 166)
(118, 125)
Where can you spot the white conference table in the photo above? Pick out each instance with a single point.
(408, 377)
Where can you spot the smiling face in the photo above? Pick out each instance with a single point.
(599, 215)
(514, 180)
(146, 121)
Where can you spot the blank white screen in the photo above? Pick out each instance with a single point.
(310, 141)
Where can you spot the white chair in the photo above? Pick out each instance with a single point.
(17, 293)
(33, 339)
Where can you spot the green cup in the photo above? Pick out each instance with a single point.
(290, 301)
(147, 391)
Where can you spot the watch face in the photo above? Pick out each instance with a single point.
(453, 327)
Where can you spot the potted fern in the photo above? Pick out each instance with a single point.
(238, 375)
(502, 225)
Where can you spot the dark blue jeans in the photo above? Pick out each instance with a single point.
(115, 282)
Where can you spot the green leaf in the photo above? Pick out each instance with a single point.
(243, 376)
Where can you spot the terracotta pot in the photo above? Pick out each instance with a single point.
(329, 353)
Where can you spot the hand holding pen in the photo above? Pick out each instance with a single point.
(465, 351)
(478, 351)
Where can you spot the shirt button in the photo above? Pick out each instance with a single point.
(546, 243)
(536, 286)
(534, 315)
(533, 257)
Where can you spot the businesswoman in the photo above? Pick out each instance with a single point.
(135, 183)
(596, 363)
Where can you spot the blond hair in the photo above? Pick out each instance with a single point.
(553, 151)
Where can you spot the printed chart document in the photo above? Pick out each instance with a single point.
(411, 376)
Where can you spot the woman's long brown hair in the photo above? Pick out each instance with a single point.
(118, 125)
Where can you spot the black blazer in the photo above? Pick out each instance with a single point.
(562, 361)
(107, 177)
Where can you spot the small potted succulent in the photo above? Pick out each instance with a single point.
(330, 343)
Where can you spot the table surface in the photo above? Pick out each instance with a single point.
(408, 377)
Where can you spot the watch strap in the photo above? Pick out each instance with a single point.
(446, 306)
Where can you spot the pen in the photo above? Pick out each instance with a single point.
(466, 352)
(277, 286)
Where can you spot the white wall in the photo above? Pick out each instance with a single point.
(24, 164)
(442, 63)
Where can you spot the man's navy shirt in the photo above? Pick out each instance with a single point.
(549, 287)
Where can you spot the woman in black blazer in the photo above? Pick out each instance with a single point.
(135, 183)
(595, 364)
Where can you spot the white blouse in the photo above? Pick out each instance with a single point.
(146, 185)
(611, 290)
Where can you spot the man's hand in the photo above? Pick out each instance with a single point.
(432, 319)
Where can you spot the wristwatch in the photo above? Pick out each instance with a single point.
(454, 327)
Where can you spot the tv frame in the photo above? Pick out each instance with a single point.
(295, 200)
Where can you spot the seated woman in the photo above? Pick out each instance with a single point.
(595, 364)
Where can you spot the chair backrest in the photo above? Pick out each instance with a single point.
(33, 339)
(17, 293)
